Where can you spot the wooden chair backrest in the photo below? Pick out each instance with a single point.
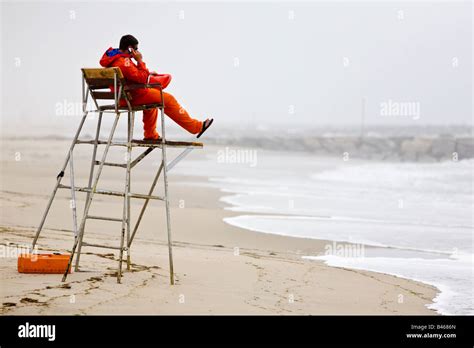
(102, 78)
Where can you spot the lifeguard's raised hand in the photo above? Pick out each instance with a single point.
(137, 55)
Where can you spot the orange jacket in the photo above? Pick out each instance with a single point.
(137, 73)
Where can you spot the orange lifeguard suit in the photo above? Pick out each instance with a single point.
(139, 73)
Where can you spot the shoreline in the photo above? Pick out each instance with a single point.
(322, 243)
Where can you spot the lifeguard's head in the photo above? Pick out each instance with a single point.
(128, 41)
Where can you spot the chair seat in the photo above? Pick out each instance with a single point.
(134, 107)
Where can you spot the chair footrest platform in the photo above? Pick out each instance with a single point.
(145, 143)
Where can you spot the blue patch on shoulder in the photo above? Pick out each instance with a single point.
(113, 52)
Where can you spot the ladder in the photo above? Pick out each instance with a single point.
(98, 82)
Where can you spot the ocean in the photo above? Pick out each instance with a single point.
(409, 219)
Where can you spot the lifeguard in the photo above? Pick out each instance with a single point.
(138, 73)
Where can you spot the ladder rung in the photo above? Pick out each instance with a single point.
(110, 164)
(102, 246)
(112, 193)
(94, 217)
(142, 196)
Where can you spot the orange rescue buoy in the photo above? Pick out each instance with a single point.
(43, 263)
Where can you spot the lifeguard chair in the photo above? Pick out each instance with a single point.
(96, 83)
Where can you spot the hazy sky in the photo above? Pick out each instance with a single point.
(251, 62)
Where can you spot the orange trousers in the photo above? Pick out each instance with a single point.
(172, 109)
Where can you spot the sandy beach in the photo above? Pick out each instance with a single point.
(220, 269)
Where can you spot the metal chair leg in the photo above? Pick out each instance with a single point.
(73, 194)
(91, 175)
(127, 219)
(167, 204)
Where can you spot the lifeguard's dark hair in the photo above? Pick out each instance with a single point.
(127, 40)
